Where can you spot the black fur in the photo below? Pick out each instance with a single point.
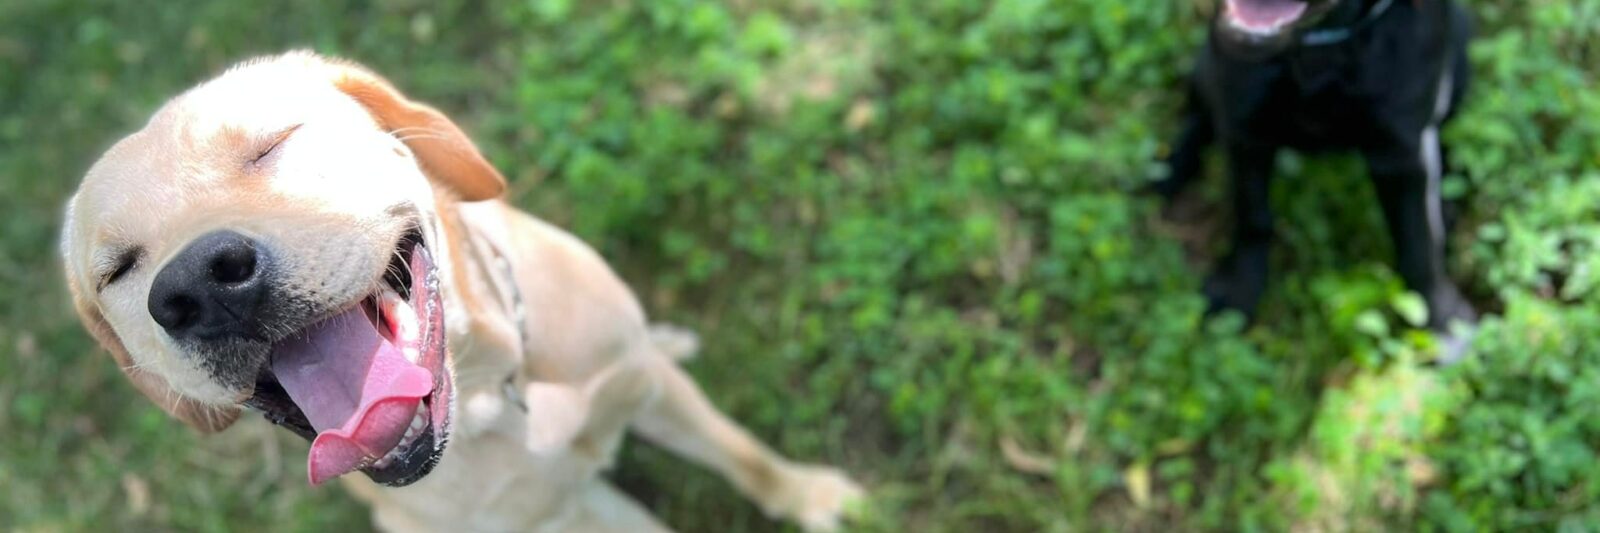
(1375, 92)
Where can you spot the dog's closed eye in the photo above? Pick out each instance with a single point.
(124, 263)
(277, 140)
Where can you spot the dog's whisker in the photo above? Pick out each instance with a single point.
(405, 263)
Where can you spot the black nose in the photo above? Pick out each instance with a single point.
(212, 290)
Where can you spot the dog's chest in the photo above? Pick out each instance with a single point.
(1329, 108)
(545, 383)
(487, 482)
(1326, 120)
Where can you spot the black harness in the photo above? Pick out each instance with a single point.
(1321, 57)
(1329, 36)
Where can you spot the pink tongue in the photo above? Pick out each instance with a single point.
(355, 387)
(1266, 12)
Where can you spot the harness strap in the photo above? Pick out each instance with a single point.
(505, 286)
(1329, 36)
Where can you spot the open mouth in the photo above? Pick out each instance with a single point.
(368, 386)
(1264, 17)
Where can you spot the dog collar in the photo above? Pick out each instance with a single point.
(520, 314)
(505, 286)
(1338, 35)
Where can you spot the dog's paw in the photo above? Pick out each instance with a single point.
(815, 497)
(676, 342)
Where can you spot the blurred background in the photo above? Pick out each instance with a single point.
(907, 232)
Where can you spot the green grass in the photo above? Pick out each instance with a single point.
(905, 231)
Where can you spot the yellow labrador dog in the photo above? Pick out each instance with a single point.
(297, 238)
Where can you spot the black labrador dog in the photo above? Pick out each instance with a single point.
(1376, 76)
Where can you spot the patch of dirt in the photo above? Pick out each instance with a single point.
(1196, 223)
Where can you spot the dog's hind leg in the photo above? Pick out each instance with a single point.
(683, 420)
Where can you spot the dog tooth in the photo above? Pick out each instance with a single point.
(404, 321)
(405, 316)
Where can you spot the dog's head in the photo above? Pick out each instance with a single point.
(267, 241)
(1256, 28)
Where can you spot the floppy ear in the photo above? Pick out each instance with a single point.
(206, 418)
(446, 154)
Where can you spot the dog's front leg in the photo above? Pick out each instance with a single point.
(1240, 277)
(1405, 174)
(1187, 153)
(684, 421)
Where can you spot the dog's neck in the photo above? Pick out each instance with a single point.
(487, 336)
(1343, 22)
(1345, 14)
